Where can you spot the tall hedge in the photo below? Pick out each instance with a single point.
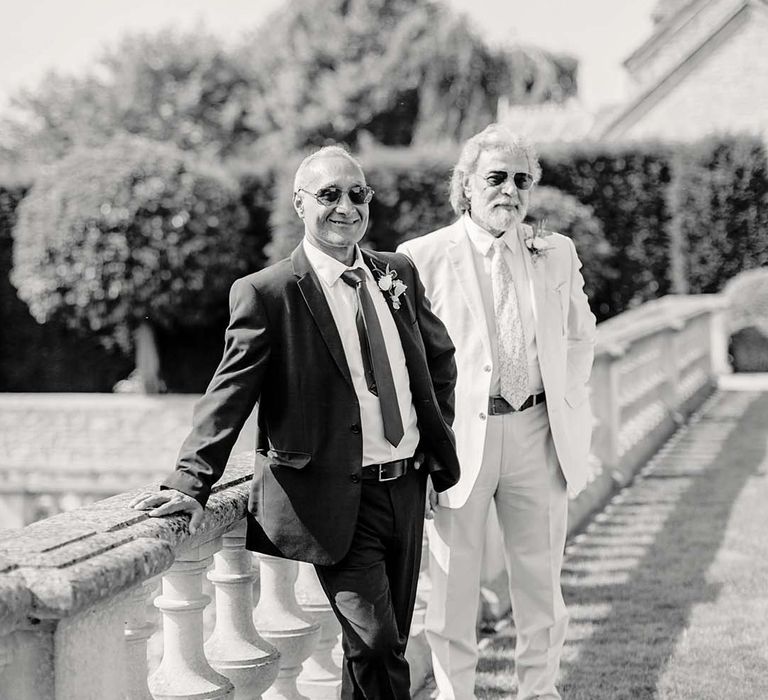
(133, 232)
(719, 196)
(625, 186)
(48, 357)
(412, 199)
(647, 219)
(558, 211)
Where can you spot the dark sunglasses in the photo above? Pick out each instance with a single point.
(328, 196)
(523, 181)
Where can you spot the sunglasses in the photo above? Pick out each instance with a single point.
(523, 181)
(328, 196)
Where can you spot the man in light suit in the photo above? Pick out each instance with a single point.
(354, 376)
(513, 302)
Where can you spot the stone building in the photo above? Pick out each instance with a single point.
(703, 70)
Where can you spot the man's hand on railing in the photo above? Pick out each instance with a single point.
(168, 502)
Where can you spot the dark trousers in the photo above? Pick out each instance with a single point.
(373, 588)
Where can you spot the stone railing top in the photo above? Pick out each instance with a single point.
(57, 567)
(671, 311)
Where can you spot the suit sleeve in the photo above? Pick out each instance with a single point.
(581, 329)
(229, 399)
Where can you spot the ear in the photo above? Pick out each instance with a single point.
(298, 204)
(466, 186)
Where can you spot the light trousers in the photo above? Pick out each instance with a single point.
(521, 474)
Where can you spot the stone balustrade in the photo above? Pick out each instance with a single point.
(76, 589)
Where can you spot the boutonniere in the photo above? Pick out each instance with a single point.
(537, 241)
(389, 283)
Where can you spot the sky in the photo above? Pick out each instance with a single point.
(41, 35)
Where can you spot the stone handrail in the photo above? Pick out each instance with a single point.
(74, 587)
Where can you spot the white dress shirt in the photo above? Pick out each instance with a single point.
(482, 242)
(342, 300)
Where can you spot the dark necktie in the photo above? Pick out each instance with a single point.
(378, 373)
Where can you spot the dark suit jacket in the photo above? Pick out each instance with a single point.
(283, 351)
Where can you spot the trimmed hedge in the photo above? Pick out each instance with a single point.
(625, 185)
(131, 232)
(719, 196)
(564, 213)
(50, 357)
(647, 219)
(34, 357)
(412, 199)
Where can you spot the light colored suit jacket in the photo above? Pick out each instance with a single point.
(565, 337)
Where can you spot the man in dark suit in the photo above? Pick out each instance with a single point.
(354, 376)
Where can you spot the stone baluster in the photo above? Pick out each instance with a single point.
(184, 672)
(321, 675)
(606, 404)
(137, 631)
(6, 659)
(672, 341)
(718, 340)
(234, 648)
(417, 653)
(281, 622)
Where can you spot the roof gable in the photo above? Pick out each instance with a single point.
(709, 24)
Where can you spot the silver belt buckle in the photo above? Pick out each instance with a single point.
(385, 478)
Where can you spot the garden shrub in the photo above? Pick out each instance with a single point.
(625, 185)
(130, 232)
(719, 200)
(561, 212)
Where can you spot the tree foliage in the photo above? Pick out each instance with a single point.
(134, 231)
(394, 71)
(179, 87)
(561, 212)
(625, 185)
(719, 197)
(401, 71)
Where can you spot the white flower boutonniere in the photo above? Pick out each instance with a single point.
(390, 284)
(536, 242)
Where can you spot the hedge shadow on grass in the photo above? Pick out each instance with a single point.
(633, 578)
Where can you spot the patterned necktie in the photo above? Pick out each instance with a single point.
(513, 360)
(378, 373)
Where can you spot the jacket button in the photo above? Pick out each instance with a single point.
(354, 478)
(355, 428)
(482, 416)
(487, 368)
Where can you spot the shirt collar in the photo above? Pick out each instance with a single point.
(483, 240)
(328, 269)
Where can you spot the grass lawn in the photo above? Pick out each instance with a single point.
(668, 588)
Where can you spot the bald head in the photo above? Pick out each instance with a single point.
(310, 165)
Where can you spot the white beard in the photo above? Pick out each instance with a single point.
(502, 219)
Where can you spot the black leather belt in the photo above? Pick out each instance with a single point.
(498, 406)
(388, 471)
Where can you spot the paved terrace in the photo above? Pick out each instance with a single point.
(668, 585)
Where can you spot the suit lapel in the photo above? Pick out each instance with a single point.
(404, 317)
(462, 263)
(536, 276)
(314, 297)
(544, 318)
